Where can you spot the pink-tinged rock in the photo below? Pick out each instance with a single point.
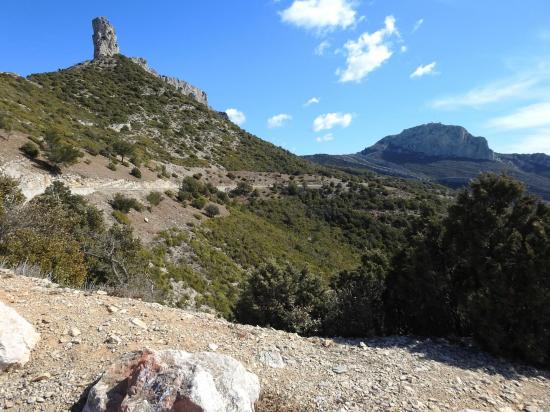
(178, 381)
(17, 338)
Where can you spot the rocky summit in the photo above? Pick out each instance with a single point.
(106, 45)
(104, 37)
(438, 141)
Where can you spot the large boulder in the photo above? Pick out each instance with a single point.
(172, 380)
(17, 338)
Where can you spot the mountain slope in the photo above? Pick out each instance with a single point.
(95, 103)
(444, 154)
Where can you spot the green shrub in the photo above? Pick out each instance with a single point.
(283, 298)
(242, 189)
(154, 198)
(53, 253)
(212, 210)
(356, 306)
(199, 202)
(124, 204)
(121, 217)
(111, 166)
(31, 150)
(136, 172)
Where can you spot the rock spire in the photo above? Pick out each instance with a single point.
(104, 37)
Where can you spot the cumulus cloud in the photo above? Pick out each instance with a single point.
(368, 52)
(417, 25)
(492, 93)
(321, 15)
(322, 48)
(278, 120)
(424, 70)
(532, 116)
(236, 116)
(330, 120)
(313, 100)
(326, 138)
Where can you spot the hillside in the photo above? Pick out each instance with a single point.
(296, 374)
(94, 104)
(444, 154)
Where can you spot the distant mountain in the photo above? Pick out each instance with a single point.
(444, 154)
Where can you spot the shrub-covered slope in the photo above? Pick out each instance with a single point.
(96, 103)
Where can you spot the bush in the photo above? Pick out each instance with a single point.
(53, 254)
(10, 195)
(124, 204)
(283, 298)
(199, 202)
(30, 149)
(136, 172)
(111, 166)
(482, 272)
(356, 308)
(120, 217)
(212, 210)
(242, 189)
(58, 151)
(154, 198)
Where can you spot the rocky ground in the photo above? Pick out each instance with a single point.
(82, 333)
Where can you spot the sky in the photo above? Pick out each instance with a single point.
(322, 76)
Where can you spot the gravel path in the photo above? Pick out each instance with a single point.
(82, 333)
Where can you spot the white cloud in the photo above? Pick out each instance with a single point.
(313, 100)
(492, 93)
(537, 142)
(320, 14)
(423, 70)
(532, 116)
(368, 52)
(322, 48)
(278, 120)
(236, 116)
(417, 25)
(404, 49)
(330, 120)
(326, 138)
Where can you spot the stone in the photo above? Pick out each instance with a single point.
(340, 369)
(173, 380)
(113, 340)
(74, 332)
(213, 347)
(41, 377)
(273, 359)
(104, 37)
(17, 338)
(139, 323)
(180, 85)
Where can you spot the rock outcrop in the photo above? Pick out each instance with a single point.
(181, 85)
(104, 37)
(435, 140)
(173, 380)
(17, 338)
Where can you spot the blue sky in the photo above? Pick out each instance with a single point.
(368, 68)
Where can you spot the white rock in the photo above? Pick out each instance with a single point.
(213, 347)
(176, 380)
(272, 359)
(139, 323)
(74, 332)
(17, 338)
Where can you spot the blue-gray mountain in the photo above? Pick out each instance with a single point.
(444, 154)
